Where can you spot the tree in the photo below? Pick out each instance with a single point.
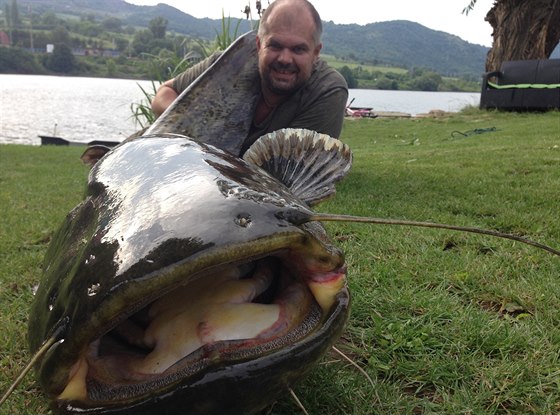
(141, 41)
(346, 72)
(386, 83)
(427, 81)
(61, 60)
(158, 26)
(88, 28)
(522, 30)
(11, 14)
(121, 43)
(14, 14)
(60, 35)
(112, 24)
(50, 19)
(90, 17)
(111, 68)
(16, 60)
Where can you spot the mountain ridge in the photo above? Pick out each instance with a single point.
(398, 43)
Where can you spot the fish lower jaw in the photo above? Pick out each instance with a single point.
(234, 317)
(325, 291)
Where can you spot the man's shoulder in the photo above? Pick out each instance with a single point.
(326, 76)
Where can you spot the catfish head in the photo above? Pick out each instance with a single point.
(182, 284)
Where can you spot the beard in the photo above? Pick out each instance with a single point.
(279, 86)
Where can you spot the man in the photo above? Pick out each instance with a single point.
(298, 89)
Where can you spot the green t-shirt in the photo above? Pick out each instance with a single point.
(319, 105)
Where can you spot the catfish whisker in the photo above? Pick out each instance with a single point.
(43, 350)
(298, 402)
(380, 221)
(362, 371)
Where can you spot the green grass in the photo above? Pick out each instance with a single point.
(339, 63)
(443, 322)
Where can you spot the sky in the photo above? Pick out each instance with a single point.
(443, 15)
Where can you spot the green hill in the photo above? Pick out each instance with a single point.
(402, 44)
(405, 44)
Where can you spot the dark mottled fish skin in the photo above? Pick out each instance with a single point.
(177, 205)
(216, 108)
(158, 212)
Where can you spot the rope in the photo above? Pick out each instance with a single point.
(474, 132)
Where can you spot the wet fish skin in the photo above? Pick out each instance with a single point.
(215, 108)
(103, 266)
(174, 205)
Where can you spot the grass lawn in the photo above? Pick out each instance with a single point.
(443, 322)
(339, 63)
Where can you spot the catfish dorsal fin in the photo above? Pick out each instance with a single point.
(307, 162)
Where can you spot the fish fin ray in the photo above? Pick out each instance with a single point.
(307, 162)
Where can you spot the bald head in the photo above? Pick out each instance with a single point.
(291, 12)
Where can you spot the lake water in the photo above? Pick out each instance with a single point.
(413, 102)
(86, 109)
(78, 109)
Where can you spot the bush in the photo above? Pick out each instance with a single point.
(61, 60)
(15, 60)
(386, 83)
(428, 81)
(346, 72)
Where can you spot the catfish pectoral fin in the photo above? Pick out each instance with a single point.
(307, 162)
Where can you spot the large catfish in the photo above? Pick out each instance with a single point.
(182, 284)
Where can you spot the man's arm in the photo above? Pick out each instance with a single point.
(165, 95)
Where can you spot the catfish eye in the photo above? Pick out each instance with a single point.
(243, 220)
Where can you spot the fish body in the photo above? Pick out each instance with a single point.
(190, 280)
(167, 220)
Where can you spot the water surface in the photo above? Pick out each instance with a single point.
(86, 109)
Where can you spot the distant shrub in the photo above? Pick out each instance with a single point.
(16, 60)
(61, 60)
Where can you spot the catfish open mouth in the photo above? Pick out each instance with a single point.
(233, 313)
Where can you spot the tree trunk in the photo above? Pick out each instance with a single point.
(523, 29)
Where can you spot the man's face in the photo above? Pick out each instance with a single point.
(287, 54)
